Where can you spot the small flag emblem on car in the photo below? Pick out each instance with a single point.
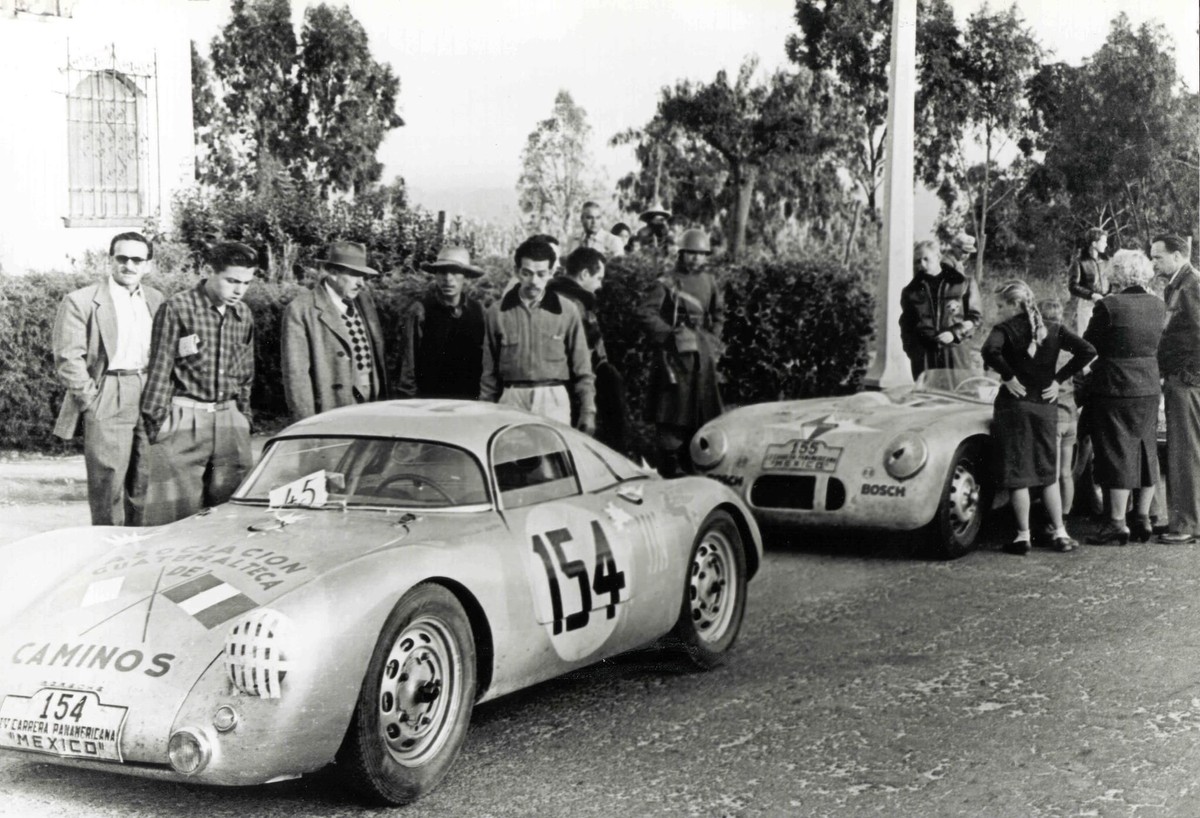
(209, 600)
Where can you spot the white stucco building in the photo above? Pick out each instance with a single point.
(97, 123)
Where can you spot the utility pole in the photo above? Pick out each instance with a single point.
(890, 366)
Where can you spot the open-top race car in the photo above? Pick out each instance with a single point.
(901, 459)
(381, 570)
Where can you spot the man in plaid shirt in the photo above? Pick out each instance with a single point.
(196, 403)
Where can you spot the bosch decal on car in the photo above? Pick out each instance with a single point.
(900, 459)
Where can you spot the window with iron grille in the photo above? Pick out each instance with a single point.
(111, 141)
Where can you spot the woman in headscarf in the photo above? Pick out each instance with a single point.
(1023, 349)
(1122, 412)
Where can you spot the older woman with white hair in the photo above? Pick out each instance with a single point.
(1122, 412)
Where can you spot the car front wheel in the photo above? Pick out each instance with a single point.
(965, 496)
(714, 598)
(412, 713)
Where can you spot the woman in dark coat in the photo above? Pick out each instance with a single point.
(1087, 279)
(1122, 414)
(1023, 348)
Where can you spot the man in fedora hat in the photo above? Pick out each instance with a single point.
(332, 342)
(443, 333)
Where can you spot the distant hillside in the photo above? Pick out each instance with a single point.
(497, 205)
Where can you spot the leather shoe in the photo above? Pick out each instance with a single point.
(1176, 539)
(1141, 530)
(1111, 533)
(1064, 544)
(1019, 547)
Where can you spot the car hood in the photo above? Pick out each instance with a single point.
(854, 415)
(141, 622)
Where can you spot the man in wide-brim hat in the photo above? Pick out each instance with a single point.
(333, 352)
(443, 333)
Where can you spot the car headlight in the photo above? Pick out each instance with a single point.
(905, 455)
(189, 751)
(708, 448)
(259, 652)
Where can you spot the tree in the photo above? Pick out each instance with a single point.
(851, 42)
(743, 128)
(253, 60)
(317, 107)
(980, 99)
(343, 99)
(1119, 136)
(556, 168)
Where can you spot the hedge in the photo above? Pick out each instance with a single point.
(794, 329)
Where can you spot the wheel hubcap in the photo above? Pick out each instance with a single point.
(963, 499)
(710, 589)
(419, 691)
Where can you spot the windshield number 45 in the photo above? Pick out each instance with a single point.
(605, 578)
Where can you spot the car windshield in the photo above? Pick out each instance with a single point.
(968, 384)
(353, 471)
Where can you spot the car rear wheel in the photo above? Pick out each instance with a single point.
(965, 496)
(714, 599)
(412, 713)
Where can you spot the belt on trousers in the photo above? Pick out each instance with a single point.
(532, 384)
(125, 372)
(218, 406)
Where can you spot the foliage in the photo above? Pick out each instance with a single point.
(292, 226)
(556, 169)
(849, 41)
(347, 100)
(1119, 136)
(795, 330)
(980, 99)
(732, 140)
(316, 109)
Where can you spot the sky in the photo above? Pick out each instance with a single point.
(478, 75)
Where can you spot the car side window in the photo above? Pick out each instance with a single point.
(532, 465)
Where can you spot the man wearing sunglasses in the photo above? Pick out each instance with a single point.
(101, 349)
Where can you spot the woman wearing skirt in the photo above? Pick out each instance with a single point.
(1023, 349)
(1124, 394)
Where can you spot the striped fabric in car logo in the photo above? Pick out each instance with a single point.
(209, 600)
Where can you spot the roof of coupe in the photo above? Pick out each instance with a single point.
(469, 424)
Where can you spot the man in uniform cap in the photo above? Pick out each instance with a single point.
(961, 248)
(333, 351)
(443, 333)
(684, 317)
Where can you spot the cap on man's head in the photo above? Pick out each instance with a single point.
(348, 255)
(453, 259)
(964, 242)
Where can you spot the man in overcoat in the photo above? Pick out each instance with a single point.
(333, 352)
(684, 316)
(1179, 366)
(101, 347)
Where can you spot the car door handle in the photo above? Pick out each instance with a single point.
(633, 494)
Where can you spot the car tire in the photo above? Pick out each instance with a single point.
(415, 704)
(965, 496)
(714, 597)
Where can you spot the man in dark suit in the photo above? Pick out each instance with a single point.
(333, 351)
(1179, 366)
(101, 349)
